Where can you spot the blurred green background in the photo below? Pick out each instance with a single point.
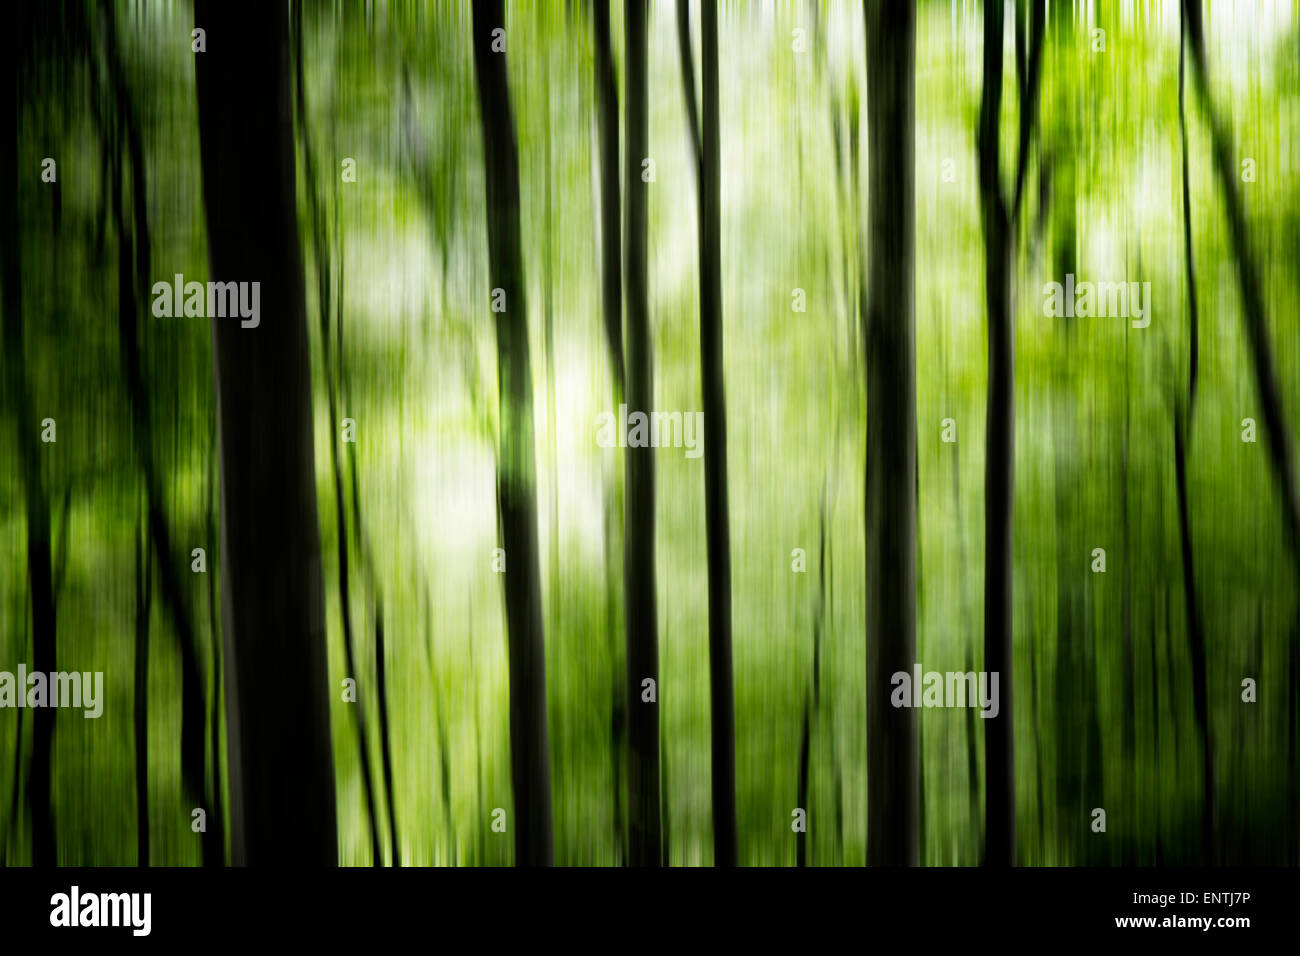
(1104, 707)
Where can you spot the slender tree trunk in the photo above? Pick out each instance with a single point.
(516, 468)
(893, 765)
(716, 504)
(640, 614)
(999, 219)
(812, 705)
(999, 478)
(708, 179)
(277, 716)
(217, 816)
(385, 738)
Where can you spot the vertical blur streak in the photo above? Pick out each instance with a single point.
(44, 625)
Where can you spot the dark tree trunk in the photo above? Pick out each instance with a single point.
(889, 335)
(716, 505)
(516, 483)
(27, 429)
(812, 705)
(217, 816)
(640, 615)
(282, 801)
(999, 478)
(385, 739)
(708, 178)
(999, 220)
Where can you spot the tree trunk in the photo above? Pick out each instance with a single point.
(282, 801)
(516, 482)
(708, 178)
(890, 343)
(999, 219)
(640, 615)
(385, 738)
(999, 477)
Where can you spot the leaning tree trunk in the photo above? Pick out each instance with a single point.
(282, 801)
(893, 767)
(1280, 444)
(640, 616)
(516, 484)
